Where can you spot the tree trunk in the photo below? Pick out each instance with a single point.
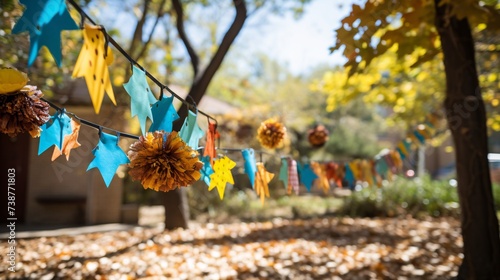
(175, 202)
(466, 117)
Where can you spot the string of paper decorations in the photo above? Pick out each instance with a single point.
(161, 159)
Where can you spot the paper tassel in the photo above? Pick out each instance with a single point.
(262, 179)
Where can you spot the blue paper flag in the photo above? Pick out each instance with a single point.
(381, 168)
(108, 156)
(206, 170)
(141, 96)
(44, 20)
(419, 136)
(53, 131)
(164, 114)
(250, 164)
(307, 176)
(190, 132)
(284, 172)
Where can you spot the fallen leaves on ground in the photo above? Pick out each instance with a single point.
(320, 248)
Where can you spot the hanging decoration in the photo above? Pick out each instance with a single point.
(108, 156)
(222, 175)
(93, 62)
(70, 142)
(21, 109)
(283, 175)
(250, 165)
(271, 133)
(44, 20)
(318, 136)
(12, 80)
(307, 175)
(206, 170)
(163, 162)
(212, 135)
(53, 131)
(141, 97)
(293, 177)
(262, 179)
(190, 132)
(164, 114)
(322, 181)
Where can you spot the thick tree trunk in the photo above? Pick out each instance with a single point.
(467, 121)
(175, 202)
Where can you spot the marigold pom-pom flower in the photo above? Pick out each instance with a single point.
(271, 133)
(162, 161)
(23, 111)
(318, 136)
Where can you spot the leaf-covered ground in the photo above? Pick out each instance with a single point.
(321, 248)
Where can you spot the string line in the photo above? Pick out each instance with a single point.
(83, 14)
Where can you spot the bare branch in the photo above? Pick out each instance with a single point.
(159, 15)
(137, 37)
(195, 60)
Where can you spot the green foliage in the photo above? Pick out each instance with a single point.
(404, 197)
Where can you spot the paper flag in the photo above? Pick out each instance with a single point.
(322, 182)
(44, 20)
(164, 114)
(419, 136)
(190, 132)
(140, 93)
(349, 176)
(250, 165)
(70, 142)
(108, 156)
(382, 168)
(293, 177)
(307, 176)
(53, 131)
(366, 170)
(284, 172)
(212, 134)
(222, 175)
(92, 63)
(206, 170)
(262, 179)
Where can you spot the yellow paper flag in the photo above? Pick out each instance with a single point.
(92, 64)
(262, 179)
(222, 175)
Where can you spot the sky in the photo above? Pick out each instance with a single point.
(301, 43)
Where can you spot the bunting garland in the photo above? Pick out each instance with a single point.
(162, 159)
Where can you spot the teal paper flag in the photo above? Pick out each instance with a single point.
(206, 170)
(348, 175)
(250, 164)
(190, 132)
(141, 96)
(53, 131)
(108, 156)
(44, 20)
(307, 175)
(164, 114)
(284, 172)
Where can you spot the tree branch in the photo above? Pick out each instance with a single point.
(202, 81)
(195, 60)
(150, 36)
(138, 28)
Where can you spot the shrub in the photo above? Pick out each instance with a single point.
(402, 197)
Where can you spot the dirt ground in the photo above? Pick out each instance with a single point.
(318, 248)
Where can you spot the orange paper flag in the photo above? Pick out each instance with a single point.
(212, 134)
(262, 179)
(70, 142)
